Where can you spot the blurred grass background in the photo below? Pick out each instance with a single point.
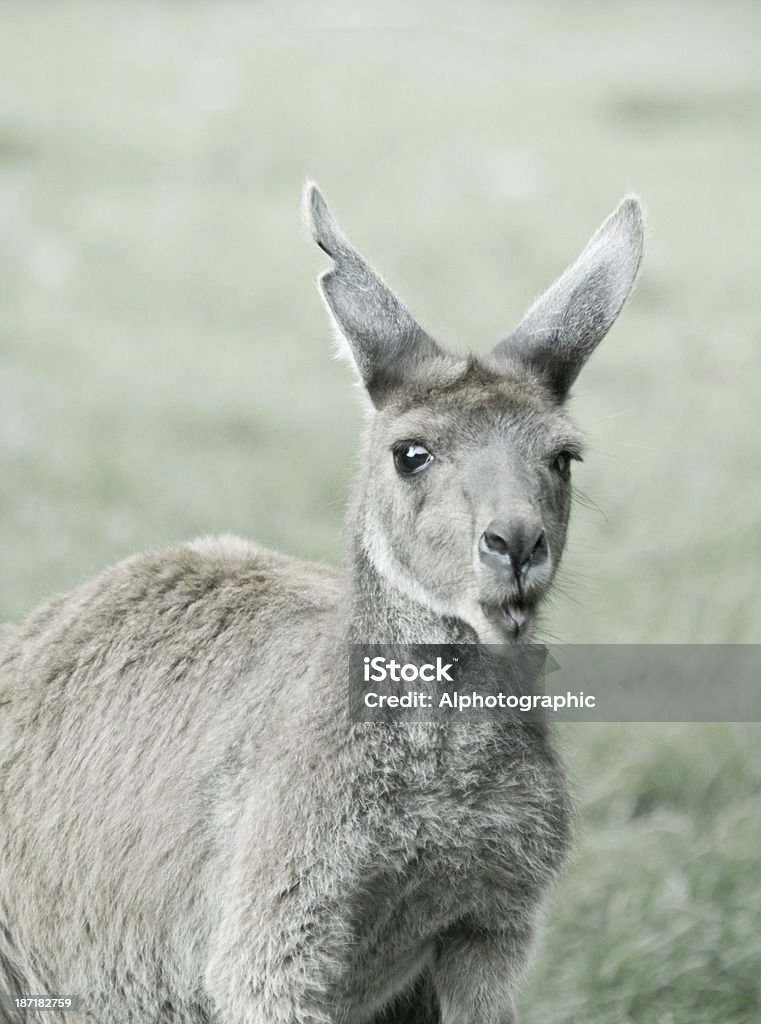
(165, 363)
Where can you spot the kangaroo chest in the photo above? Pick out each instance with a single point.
(454, 826)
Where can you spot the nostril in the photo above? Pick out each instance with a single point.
(539, 554)
(495, 542)
(513, 543)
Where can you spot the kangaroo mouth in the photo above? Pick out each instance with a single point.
(513, 616)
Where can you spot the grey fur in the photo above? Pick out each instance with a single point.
(384, 339)
(192, 831)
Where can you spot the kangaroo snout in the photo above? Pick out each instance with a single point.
(514, 546)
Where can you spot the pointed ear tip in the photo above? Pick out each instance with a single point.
(631, 210)
(627, 225)
(311, 201)
(319, 220)
(311, 190)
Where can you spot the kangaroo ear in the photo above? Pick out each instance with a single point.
(384, 341)
(563, 327)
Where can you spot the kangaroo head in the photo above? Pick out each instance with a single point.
(465, 486)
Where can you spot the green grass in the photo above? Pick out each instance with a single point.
(165, 365)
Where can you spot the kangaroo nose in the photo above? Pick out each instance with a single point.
(518, 544)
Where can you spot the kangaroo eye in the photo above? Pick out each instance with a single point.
(411, 457)
(562, 463)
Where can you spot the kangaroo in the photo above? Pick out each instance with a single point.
(192, 828)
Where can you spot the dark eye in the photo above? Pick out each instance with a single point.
(411, 457)
(562, 463)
